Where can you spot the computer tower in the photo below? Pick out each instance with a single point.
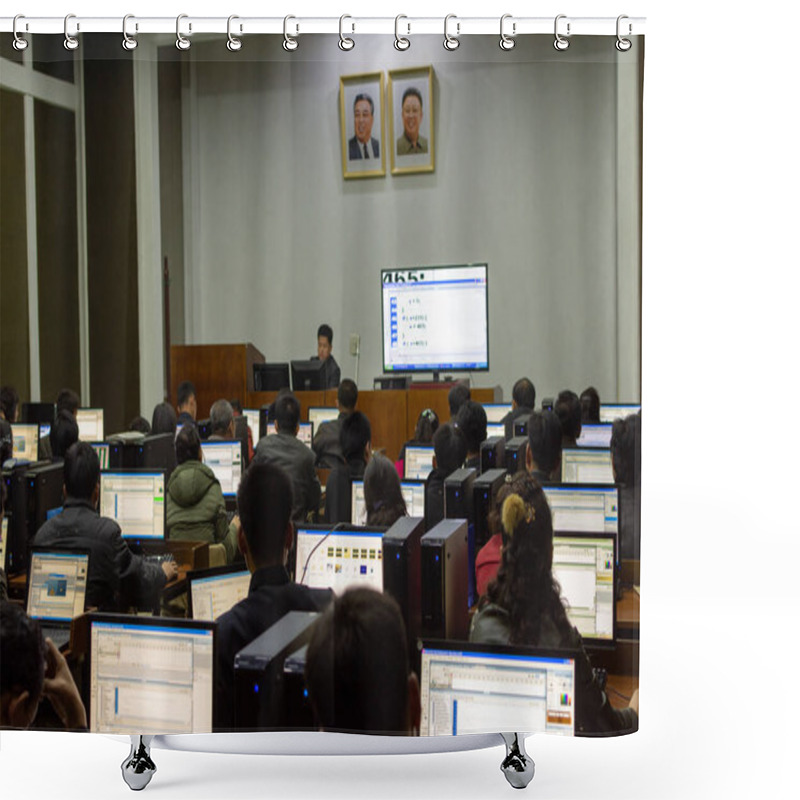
(157, 452)
(458, 496)
(493, 453)
(484, 491)
(520, 427)
(259, 687)
(15, 510)
(516, 453)
(240, 432)
(547, 403)
(443, 572)
(299, 714)
(44, 493)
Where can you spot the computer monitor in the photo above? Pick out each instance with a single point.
(586, 465)
(583, 565)
(136, 501)
(414, 495)
(339, 559)
(611, 411)
(150, 674)
(57, 584)
(102, 450)
(271, 377)
(41, 414)
(472, 688)
(90, 424)
(25, 440)
(3, 542)
(225, 461)
(496, 411)
(495, 429)
(358, 506)
(595, 435)
(253, 417)
(308, 375)
(418, 462)
(305, 433)
(214, 591)
(320, 414)
(585, 508)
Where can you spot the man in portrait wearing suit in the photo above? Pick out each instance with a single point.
(411, 143)
(364, 144)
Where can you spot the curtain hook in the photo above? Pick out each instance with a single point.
(289, 42)
(507, 42)
(70, 42)
(128, 42)
(400, 42)
(233, 44)
(182, 43)
(19, 43)
(451, 42)
(345, 42)
(623, 45)
(561, 43)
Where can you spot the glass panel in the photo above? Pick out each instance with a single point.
(52, 58)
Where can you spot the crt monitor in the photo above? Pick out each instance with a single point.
(586, 465)
(271, 377)
(319, 414)
(418, 462)
(308, 375)
(25, 439)
(225, 460)
(611, 411)
(150, 674)
(595, 435)
(214, 591)
(495, 412)
(136, 501)
(90, 424)
(472, 688)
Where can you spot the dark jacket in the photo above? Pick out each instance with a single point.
(271, 596)
(297, 460)
(326, 445)
(117, 578)
(338, 490)
(331, 373)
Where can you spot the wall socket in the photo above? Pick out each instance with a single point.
(355, 344)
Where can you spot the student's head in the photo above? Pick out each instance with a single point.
(363, 113)
(590, 405)
(355, 436)
(22, 655)
(287, 414)
(63, 433)
(237, 407)
(411, 108)
(68, 400)
(426, 427)
(523, 395)
(187, 399)
(456, 398)
(81, 472)
(264, 502)
(165, 420)
(449, 448)
(347, 395)
(568, 410)
(9, 403)
(544, 442)
(324, 341)
(357, 669)
(187, 445)
(222, 418)
(626, 449)
(471, 419)
(6, 442)
(139, 424)
(382, 494)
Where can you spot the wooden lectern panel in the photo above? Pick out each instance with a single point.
(386, 411)
(436, 400)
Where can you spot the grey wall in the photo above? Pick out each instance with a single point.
(537, 173)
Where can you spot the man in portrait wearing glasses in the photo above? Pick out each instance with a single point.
(364, 145)
(411, 143)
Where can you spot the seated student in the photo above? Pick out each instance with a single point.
(32, 670)
(382, 494)
(286, 451)
(427, 425)
(568, 411)
(449, 453)
(67, 400)
(626, 462)
(456, 398)
(523, 401)
(355, 438)
(326, 440)
(9, 404)
(357, 669)
(237, 412)
(266, 537)
(139, 424)
(522, 606)
(6, 442)
(331, 374)
(117, 578)
(222, 425)
(590, 405)
(63, 434)
(471, 420)
(165, 420)
(187, 403)
(195, 505)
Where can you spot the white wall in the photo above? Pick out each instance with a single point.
(534, 174)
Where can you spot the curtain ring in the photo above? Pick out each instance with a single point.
(128, 42)
(451, 42)
(289, 42)
(233, 44)
(560, 42)
(507, 42)
(623, 45)
(182, 43)
(345, 42)
(19, 42)
(70, 42)
(400, 42)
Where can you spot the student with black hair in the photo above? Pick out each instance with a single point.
(63, 434)
(266, 537)
(449, 454)
(426, 427)
(9, 404)
(471, 420)
(140, 425)
(523, 401)
(456, 398)
(117, 578)
(326, 444)
(568, 411)
(165, 420)
(626, 462)
(590, 405)
(331, 374)
(357, 668)
(286, 451)
(543, 454)
(383, 496)
(355, 438)
(187, 403)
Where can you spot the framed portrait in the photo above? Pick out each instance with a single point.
(361, 116)
(411, 120)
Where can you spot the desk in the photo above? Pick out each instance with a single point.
(619, 689)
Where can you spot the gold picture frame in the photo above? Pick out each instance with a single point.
(411, 129)
(361, 99)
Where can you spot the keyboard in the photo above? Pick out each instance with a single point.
(158, 558)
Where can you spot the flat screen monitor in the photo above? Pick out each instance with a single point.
(471, 688)
(214, 591)
(25, 442)
(495, 412)
(253, 421)
(57, 584)
(339, 559)
(586, 465)
(413, 493)
(44, 430)
(136, 501)
(319, 414)
(418, 462)
(592, 509)
(271, 377)
(495, 429)
(305, 433)
(308, 376)
(150, 674)
(102, 450)
(90, 424)
(593, 435)
(611, 411)
(3, 542)
(358, 507)
(435, 318)
(225, 461)
(583, 565)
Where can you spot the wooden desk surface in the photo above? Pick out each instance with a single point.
(628, 611)
(619, 689)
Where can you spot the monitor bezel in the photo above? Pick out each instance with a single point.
(405, 462)
(67, 551)
(314, 368)
(137, 471)
(587, 450)
(608, 425)
(212, 443)
(209, 572)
